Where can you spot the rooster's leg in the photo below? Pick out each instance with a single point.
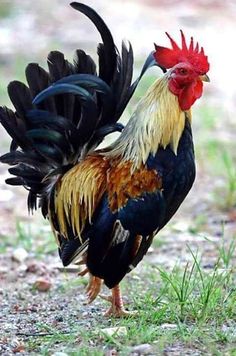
(93, 288)
(117, 307)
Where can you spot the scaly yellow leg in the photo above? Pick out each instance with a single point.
(117, 309)
(93, 288)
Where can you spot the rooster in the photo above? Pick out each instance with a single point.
(105, 205)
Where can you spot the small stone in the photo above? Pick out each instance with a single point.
(143, 349)
(22, 269)
(168, 326)
(42, 285)
(19, 254)
(4, 269)
(112, 352)
(117, 331)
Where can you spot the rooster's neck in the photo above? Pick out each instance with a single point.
(157, 122)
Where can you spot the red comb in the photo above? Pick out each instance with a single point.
(168, 58)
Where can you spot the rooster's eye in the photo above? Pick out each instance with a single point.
(183, 71)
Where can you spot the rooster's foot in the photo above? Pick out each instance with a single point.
(117, 309)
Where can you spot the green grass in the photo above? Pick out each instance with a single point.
(32, 237)
(226, 249)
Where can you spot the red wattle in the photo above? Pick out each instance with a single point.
(188, 94)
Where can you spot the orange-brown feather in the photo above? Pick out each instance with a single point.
(122, 185)
(80, 190)
(137, 243)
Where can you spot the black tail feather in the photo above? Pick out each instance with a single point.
(15, 181)
(106, 51)
(83, 63)
(74, 109)
(15, 157)
(38, 79)
(15, 127)
(124, 78)
(59, 67)
(20, 97)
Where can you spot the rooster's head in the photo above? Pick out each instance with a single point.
(188, 67)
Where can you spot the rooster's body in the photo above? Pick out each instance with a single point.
(123, 201)
(104, 205)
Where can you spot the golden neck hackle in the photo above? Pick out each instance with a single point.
(157, 122)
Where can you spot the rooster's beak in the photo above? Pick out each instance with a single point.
(204, 78)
